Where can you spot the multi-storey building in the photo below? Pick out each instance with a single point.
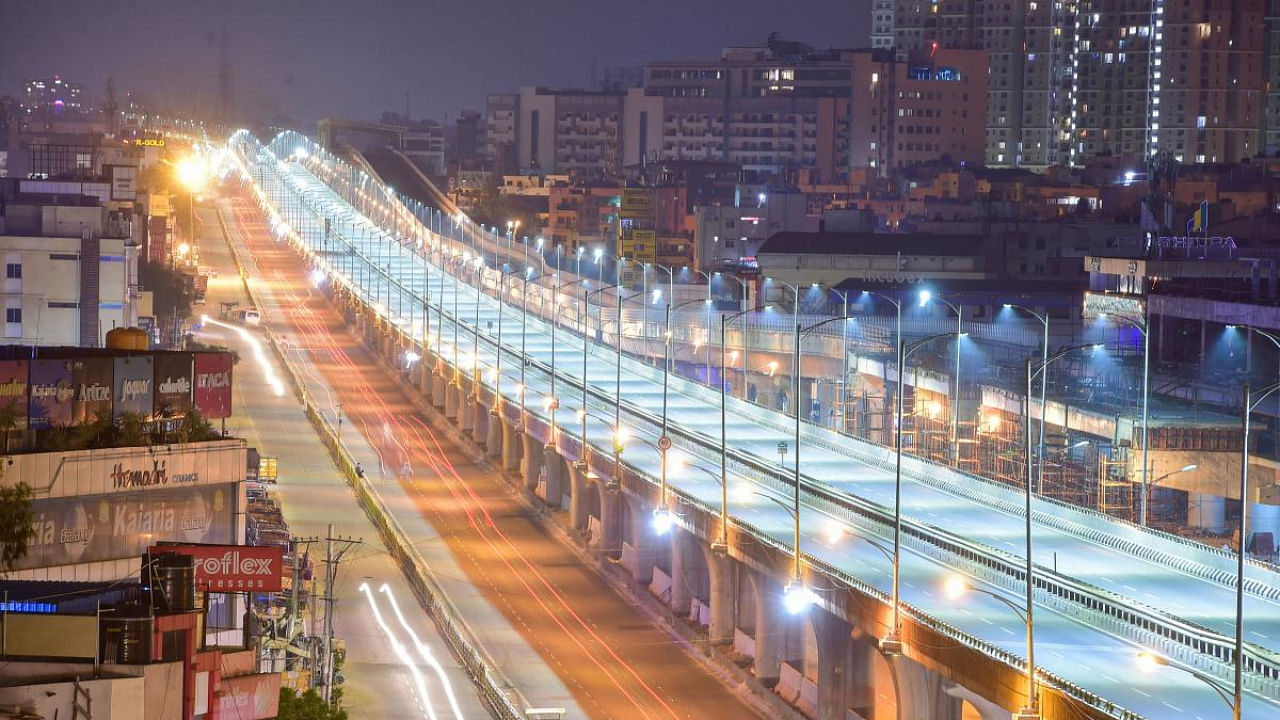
(906, 113)
(773, 111)
(1075, 79)
(51, 95)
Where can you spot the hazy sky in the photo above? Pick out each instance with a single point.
(356, 58)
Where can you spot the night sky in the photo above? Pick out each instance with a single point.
(307, 59)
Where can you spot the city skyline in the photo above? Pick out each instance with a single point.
(172, 57)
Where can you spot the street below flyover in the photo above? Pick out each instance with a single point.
(614, 662)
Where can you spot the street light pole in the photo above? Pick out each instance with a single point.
(586, 299)
(617, 386)
(524, 325)
(724, 446)
(892, 643)
(1251, 401)
(1033, 703)
(925, 296)
(1145, 329)
(1044, 359)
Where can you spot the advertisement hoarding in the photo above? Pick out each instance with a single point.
(213, 384)
(172, 389)
(90, 528)
(247, 697)
(132, 389)
(52, 394)
(92, 380)
(13, 390)
(234, 568)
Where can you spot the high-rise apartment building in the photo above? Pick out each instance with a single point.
(1074, 79)
(773, 111)
(931, 106)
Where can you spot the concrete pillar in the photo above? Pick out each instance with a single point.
(721, 597)
(511, 447)
(556, 480)
(922, 693)
(466, 411)
(531, 463)
(452, 400)
(868, 668)
(479, 421)
(771, 619)
(422, 378)
(438, 383)
(611, 509)
(1207, 512)
(835, 650)
(643, 541)
(578, 497)
(493, 435)
(682, 565)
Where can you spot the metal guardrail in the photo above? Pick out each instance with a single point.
(489, 682)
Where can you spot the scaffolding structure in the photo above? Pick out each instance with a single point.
(1115, 490)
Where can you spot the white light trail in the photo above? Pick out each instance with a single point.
(402, 653)
(269, 372)
(426, 654)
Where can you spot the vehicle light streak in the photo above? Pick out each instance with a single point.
(268, 371)
(401, 652)
(425, 652)
(374, 409)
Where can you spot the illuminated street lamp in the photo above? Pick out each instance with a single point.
(1149, 662)
(617, 383)
(502, 301)
(1184, 469)
(925, 298)
(1044, 358)
(892, 642)
(524, 324)
(724, 441)
(1032, 708)
(796, 598)
(955, 587)
(586, 300)
(555, 319)
(1144, 328)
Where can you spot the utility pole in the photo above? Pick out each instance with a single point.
(331, 560)
(294, 619)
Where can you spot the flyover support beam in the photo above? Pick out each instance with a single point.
(921, 693)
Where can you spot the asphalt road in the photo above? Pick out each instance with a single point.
(614, 662)
(379, 683)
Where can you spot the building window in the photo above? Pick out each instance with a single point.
(13, 271)
(13, 315)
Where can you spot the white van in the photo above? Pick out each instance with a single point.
(249, 317)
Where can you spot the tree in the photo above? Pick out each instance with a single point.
(307, 706)
(171, 291)
(16, 520)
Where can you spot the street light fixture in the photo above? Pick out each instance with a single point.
(892, 642)
(925, 298)
(955, 587)
(1148, 662)
(1145, 329)
(724, 447)
(1044, 357)
(1032, 708)
(524, 325)
(586, 300)
(796, 598)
